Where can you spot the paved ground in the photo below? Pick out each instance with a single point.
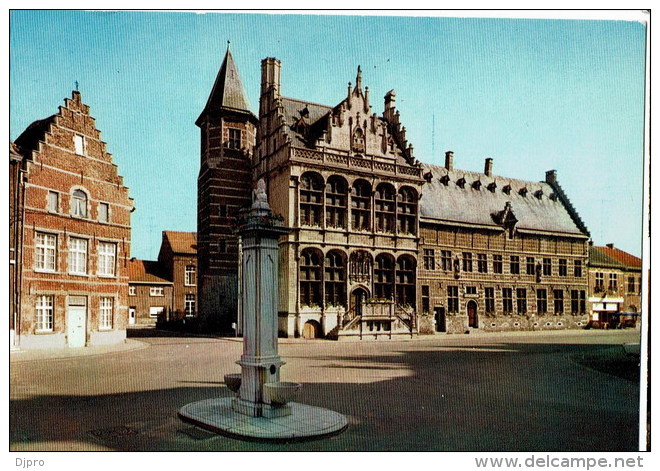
(488, 392)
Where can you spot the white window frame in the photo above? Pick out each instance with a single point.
(45, 313)
(45, 252)
(107, 212)
(190, 274)
(77, 256)
(53, 201)
(189, 304)
(156, 291)
(107, 256)
(154, 311)
(132, 291)
(106, 305)
(78, 205)
(79, 144)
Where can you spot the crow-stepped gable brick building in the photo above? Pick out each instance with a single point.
(381, 245)
(70, 234)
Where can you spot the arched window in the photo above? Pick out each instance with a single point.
(79, 204)
(405, 280)
(336, 195)
(361, 206)
(384, 277)
(384, 206)
(407, 211)
(311, 199)
(335, 278)
(360, 266)
(311, 277)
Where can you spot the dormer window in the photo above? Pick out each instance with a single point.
(507, 189)
(428, 176)
(476, 184)
(523, 191)
(444, 180)
(79, 144)
(492, 186)
(538, 193)
(553, 196)
(461, 182)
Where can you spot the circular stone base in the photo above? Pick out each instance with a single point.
(304, 423)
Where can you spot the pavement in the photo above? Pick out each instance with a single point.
(519, 391)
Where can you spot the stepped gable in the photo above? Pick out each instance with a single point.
(473, 198)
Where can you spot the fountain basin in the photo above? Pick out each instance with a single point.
(233, 381)
(281, 392)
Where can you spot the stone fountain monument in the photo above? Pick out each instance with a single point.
(262, 408)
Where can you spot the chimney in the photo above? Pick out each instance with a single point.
(270, 75)
(449, 160)
(609, 246)
(551, 176)
(488, 167)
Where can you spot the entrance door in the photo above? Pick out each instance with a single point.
(358, 297)
(440, 324)
(76, 321)
(131, 316)
(473, 320)
(311, 330)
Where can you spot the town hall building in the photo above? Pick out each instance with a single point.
(381, 245)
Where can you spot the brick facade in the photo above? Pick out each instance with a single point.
(73, 245)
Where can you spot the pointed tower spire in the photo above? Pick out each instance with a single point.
(228, 92)
(358, 82)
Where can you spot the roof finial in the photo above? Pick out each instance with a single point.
(358, 79)
(77, 85)
(228, 43)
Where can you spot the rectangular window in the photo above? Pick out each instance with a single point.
(631, 284)
(131, 291)
(467, 261)
(79, 144)
(490, 299)
(583, 302)
(507, 300)
(429, 259)
(45, 252)
(521, 300)
(106, 259)
(155, 311)
(53, 201)
(222, 211)
(104, 212)
(446, 260)
(563, 267)
(547, 267)
(600, 282)
(77, 256)
(515, 265)
(452, 299)
(190, 279)
(530, 266)
(44, 314)
(575, 301)
(234, 141)
(613, 285)
(577, 268)
(482, 263)
(558, 296)
(426, 299)
(105, 314)
(189, 305)
(497, 264)
(156, 291)
(470, 290)
(541, 301)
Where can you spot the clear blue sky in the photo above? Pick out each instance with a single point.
(534, 95)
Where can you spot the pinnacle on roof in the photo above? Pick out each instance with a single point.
(228, 92)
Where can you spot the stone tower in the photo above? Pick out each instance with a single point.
(223, 187)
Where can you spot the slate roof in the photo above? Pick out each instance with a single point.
(29, 139)
(146, 271)
(613, 258)
(292, 114)
(227, 92)
(182, 242)
(476, 204)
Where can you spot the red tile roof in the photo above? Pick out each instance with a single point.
(182, 242)
(145, 271)
(622, 257)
